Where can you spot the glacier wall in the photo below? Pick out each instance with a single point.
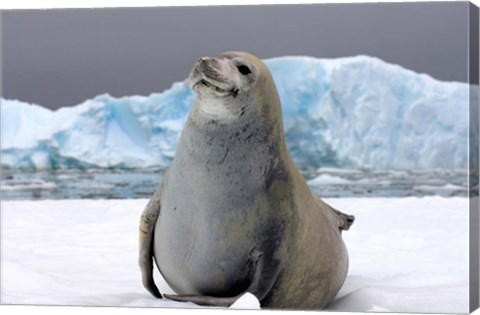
(356, 112)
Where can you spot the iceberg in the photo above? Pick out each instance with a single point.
(355, 112)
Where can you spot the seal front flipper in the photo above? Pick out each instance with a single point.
(343, 220)
(346, 220)
(147, 225)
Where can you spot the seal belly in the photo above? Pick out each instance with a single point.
(201, 258)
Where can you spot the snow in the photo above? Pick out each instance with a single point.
(355, 112)
(406, 255)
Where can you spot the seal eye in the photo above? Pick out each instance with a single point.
(244, 69)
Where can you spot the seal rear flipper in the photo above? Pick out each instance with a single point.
(265, 274)
(203, 299)
(147, 224)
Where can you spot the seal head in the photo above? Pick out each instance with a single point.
(222, 76)
(223, 84)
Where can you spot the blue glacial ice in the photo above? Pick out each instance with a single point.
(356, 112)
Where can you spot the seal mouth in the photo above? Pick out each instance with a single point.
(210, 85)
(215, 87)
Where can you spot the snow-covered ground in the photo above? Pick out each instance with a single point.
(406, 255)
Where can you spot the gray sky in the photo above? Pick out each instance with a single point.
(62, 57)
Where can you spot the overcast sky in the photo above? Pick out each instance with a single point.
(62, 57)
